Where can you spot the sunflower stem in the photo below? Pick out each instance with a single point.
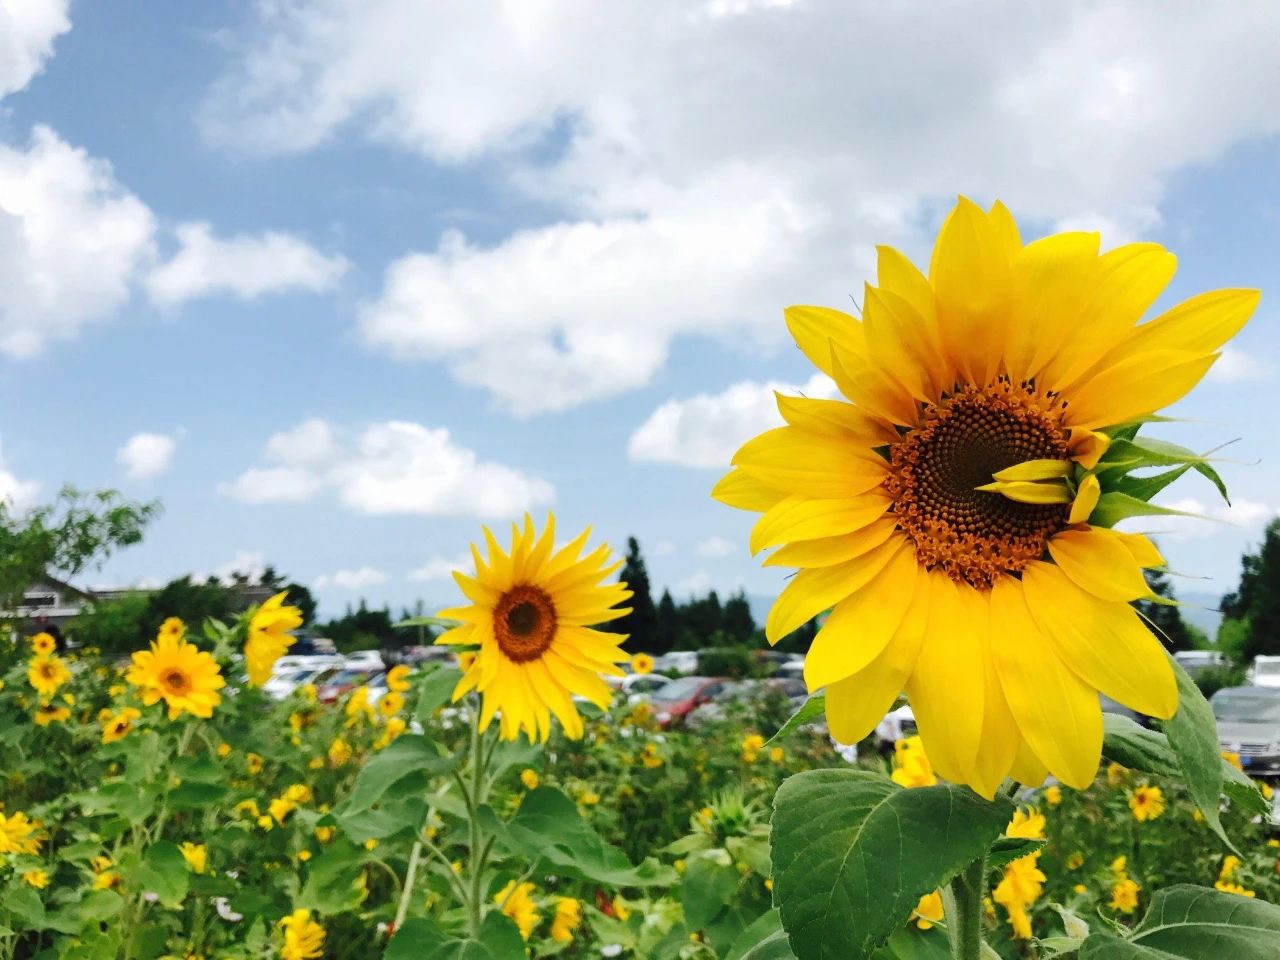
(964, 921)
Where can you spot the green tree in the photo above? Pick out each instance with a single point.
(736, 621)
(190, 602)
(76, 532)
(113, 626)
(667, 625)
(301, 597)
(363, 629)
(701, 620)
(1256, 602)
(640, 624)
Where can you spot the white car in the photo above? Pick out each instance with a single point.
(642, 686)
(291, 672)
(677, 661)
(1265, 672)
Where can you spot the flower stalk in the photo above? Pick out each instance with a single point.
(963, 900)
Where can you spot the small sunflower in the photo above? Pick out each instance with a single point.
(531, 615)
(173, 628)
(48, 713)
(117, 726)
(641, 664)
(42, 644)
(196, 856)
(186, 678)
(390, 703)
(303, 938)
(398, 679)
(516, 902)
(269, 637)
(955, 514)
(1146, 803)
(46, 673)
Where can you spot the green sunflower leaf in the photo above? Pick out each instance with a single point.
(1114, 506)
(1008, 849)
(854, 852)
(1192, 923)
(812, 708)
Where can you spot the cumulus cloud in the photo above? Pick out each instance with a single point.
(395, 467)
(245, 266)
(358, 579)
(714, 547)
(147, 454)
(17, 494)
(71, 241)
(711, 162)
(1236, 366)
(27, 32)
(439, 568)
(1245, 515)
(705, 430)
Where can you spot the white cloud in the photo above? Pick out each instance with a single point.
(700, 582)
(394, 467)
(17, 494)
(246, 266)
(249, 563)
(27, 31)
(706, 429)
(710, 163)
(351, 579)
(664, 548)
(147, 454)
(1236, 366)
(439, 568)
(71, 241)
(715, 547)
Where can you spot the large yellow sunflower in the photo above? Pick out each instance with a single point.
(955, 512)
(531, 615)
(185, 677)
(46, 673)
(269, 637)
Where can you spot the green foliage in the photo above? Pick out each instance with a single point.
(1195, 923)
(364, 629)
(850, 873)
(641, 623)
(1255, 604)
(79, 530)
(736, 662)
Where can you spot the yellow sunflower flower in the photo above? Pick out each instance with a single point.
(303, 938)
(117, 726)
(911, 767)
(48, 713)
(397, 679)
(390, 703)
(46, 673)
(38, 879)
(395, 726)
(515, 902)
(1124, 895)
(185, 677)
(1235, 888)
(42, 644)
(641, 664)
(567, 919)
(950, 514)
(531, 615)
(928, 911)
(173, 628)
(529, 778)
(196, 856)
(1146, 803)
(18, 834)
(269, 637)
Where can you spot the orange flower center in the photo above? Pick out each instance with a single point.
(524, 623)
(976, 536)
(176, 682)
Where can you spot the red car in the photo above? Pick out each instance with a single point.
(338, 682)
(673, 702)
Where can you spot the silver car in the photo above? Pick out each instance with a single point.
(1249, 725)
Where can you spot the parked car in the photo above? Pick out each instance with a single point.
(1264, 672)
(370, 659)
(337, 682)
(1249, 725)
(792, 667)
(1196, 662)
(746, 695)
(679, 698)
(642, 686)
(291, 672)
(677, 661)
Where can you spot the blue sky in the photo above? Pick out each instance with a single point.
(292, 244)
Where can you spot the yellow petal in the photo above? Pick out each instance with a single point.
(1199, 325)
(856, 704)
(1129, 280)
(1142, 549)
(814, 329)
(1135, 387)
(1104, 642)
(861, 625)
(1027, 768)
(1053, 277)
(898, 275)
(1006, 229)
(871, 388)
(946, 689)
(1086, 447)
(897, 340)
(1087, 496)
(1000, 737)
(799, 518)
(1098, 562)
(1056, 712)
(837, 419)
(1023, 491)
(1035, 470)
(810, 464)
(832, 550)
(973, 282)
(738, 489)
(810, 592)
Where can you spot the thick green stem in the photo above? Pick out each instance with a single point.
(964, 918)
(475, 908)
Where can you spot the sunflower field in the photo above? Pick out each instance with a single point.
(951, 522)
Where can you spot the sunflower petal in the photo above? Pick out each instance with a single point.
(811, 591)
(1098, 562)
(799, 518)
(739, 489)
